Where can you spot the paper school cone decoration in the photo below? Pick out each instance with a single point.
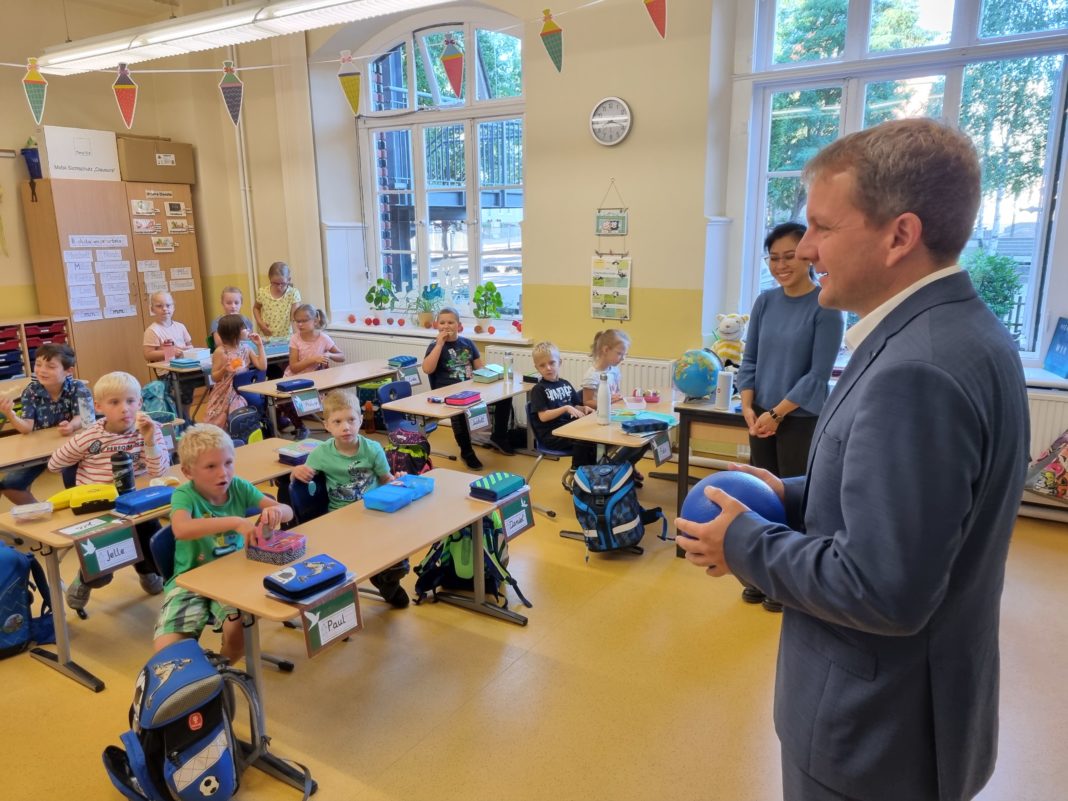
(349, 78)
(232, 89)
(658, 13)
(36, 87)
(552, 36)
(452, 60)
(125, 95)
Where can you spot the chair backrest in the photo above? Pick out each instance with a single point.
(309, 500)
(162, 547)
(394, 390)
(243, 379)
(534, 432)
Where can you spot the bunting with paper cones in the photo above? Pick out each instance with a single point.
(452, 61)
(232, 91)
(125, 95)
(552, 36)
(658, 14)
(36, 88)
(349, 78)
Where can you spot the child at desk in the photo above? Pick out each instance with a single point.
(276, 302)
(310, 348)
(124, 428)
(232, 298)
(229, 359)
(52, 398)
(352, 464)
(451, 359)
(555, 403)
(609, 349)
(165, 338)
(208, 517)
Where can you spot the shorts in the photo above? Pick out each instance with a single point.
(21, 478)
(185, 612)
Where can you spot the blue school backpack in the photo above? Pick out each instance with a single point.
(18, 626)
(156, 398)
(607, 508)
(181, 744)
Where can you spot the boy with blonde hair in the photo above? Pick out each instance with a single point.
(352, 465)
(124, 428)
(208, 517)
(555, 402)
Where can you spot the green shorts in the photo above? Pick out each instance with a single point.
(185, 612)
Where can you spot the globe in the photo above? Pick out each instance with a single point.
(695, 373)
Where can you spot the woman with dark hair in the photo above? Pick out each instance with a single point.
(790, 349)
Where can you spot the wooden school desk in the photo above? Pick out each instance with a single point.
(24, 450)
(612, 435)
(257, 463)
(358, 538)
(344, 375)
(12, 388)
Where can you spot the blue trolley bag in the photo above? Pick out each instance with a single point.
(607, 508)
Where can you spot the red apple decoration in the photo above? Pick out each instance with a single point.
(366, 320)
(389, 321)
(491, 330)
(400, 321)
(426, 325)
(478, 329)
(376, 321)
(352, 318)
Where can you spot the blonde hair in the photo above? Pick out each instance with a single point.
(111, 384)
(918, 165)
(609, 338)
(232, 290)
(160, 294)
(543, 349)
(199, 438)
(316, 314)
(338, 400)
(279, 270)
(447, 310)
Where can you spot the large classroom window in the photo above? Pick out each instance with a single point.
(995, 68)
(445, 134)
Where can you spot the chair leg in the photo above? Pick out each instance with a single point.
(573, 535)
(283, 665)
(545, 510)
(448, 456)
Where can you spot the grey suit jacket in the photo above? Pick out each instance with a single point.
(893, 563)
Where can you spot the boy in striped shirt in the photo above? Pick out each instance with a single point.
(124, 427)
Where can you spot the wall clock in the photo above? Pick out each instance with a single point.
(610, 121)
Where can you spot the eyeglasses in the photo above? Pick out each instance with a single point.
(281, 283)
(775, 259)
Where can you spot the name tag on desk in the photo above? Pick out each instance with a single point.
(661, 445)
(102, 553)
(477, 417)
(411, 375)
(331, 618)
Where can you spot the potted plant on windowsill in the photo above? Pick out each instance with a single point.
(486, 303)
(425, 305)
(381, 295)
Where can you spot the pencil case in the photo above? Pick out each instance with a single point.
(306, 577)
(643, 426)
(420, 485)
(293, 384)
(276, 547)
(183, 363)
(465, 398)
(142, 500)
(297, 453)
(401, 361)
(388, 497)
(494, 486)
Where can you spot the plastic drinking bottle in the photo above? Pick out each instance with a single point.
(123, 470)
(604, 401)
(509, 366)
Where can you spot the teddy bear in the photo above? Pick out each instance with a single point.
(729, 345)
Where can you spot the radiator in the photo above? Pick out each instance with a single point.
(1049, 417)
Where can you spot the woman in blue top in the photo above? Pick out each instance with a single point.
(790, 349)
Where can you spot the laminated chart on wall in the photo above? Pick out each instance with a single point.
(610, 287)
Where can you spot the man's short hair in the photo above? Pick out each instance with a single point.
(199, 438)
(111, 384)
(339, 399)
(56, 350)
(544, 350)
(917, 165)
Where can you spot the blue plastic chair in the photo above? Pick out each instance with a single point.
(308, 500)
(162, 547)
(396, 390)
(247, 377)
(542, 451)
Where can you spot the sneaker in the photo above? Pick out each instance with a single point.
(771, 606)
(152, 583)
(284, 422)
(502, 446)
(471, 460)
(751, 595)
(300, 433)
(398, 598)
(78, 594)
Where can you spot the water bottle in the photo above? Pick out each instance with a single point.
(509, 367)
(122, 469)
(86, 411)
(604, 401)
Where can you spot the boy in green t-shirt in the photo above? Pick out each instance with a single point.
(208, 519)
(352, 465)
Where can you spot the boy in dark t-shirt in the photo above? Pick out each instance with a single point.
(555, 402)
(451, 359)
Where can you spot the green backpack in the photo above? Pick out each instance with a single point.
(450, 563)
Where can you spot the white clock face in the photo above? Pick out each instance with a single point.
(610, 121)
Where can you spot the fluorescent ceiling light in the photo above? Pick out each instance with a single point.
(237, 24)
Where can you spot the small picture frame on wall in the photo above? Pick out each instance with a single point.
(611, 222)
(175, 208)
(143, 207)
(177, 227)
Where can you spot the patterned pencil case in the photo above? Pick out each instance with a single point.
(307, 577)
(643, 426)
(277, 548)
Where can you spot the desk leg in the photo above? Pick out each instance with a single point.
(176, 393)
(270, 764)
(479, 602)
(272, 415)
(684, 471)
(60, 660)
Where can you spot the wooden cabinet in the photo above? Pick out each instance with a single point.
(94, 264)
(20, 338)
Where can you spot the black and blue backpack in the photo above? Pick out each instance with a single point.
(607, 508)
(242, 425)
(181, 743)
(20, 575)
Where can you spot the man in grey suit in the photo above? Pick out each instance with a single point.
(892, 563)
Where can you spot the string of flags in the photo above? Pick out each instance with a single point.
(231, 88)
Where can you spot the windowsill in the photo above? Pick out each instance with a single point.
(506, 334)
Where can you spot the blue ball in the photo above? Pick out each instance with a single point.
(748, 489)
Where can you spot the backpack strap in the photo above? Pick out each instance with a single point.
(650, 516)
(41, 582)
